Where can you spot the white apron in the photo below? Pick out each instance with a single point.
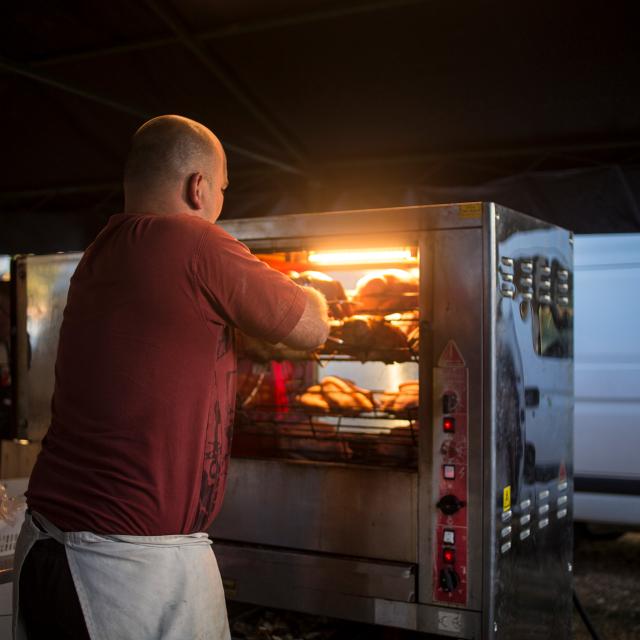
(136, 587)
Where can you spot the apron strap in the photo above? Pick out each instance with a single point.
(46, 528)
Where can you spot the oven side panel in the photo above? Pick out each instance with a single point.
(40, 286)
(529, 440)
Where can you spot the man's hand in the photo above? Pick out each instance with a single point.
(313, 327)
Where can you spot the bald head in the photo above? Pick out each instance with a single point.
(174, 162)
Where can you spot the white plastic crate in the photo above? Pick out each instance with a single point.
(9, 530)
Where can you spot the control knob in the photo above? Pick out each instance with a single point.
(448, 449)
(449, 504)
(449, 580)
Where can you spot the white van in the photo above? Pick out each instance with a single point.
(607, 379)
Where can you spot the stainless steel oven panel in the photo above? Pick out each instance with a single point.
(246, 571)
(348, 227)
(528, 441)
(40, 286)
(373, 592)
(457, 300)
(426, 498)
(347, 510)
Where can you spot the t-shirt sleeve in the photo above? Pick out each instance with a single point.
(243, 290)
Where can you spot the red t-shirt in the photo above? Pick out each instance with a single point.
(142, 411)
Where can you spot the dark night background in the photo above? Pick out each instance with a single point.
(324, 105)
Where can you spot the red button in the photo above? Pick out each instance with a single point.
(448, 424)
(449, 555)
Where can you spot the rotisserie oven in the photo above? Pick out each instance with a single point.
(416, 471)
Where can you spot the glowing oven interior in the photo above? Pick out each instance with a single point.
(354, 400)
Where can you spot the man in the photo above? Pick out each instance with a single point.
(133, 468)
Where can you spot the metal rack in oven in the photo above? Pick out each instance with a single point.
(303, 435)
(291, 431)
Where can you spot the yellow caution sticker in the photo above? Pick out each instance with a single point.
(506, 498)
(471, 210)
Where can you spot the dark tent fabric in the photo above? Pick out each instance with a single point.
(324, 105)
(590, 200)
(594, 198)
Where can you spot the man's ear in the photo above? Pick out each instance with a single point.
(194, 191)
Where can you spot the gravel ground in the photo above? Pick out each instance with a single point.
(607, 581)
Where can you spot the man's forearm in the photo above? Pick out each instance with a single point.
(313, 327)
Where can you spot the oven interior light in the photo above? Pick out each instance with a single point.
(363, 256)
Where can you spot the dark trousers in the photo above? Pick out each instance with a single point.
(48, 600)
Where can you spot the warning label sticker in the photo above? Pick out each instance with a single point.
(506, 498)
(471, 210)
(451, 356)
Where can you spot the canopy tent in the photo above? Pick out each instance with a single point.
(324, 105)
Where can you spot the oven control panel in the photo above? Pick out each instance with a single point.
(450, 455)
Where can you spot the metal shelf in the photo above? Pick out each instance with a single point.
(374, 438)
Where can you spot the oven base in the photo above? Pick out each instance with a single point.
(373, 592)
